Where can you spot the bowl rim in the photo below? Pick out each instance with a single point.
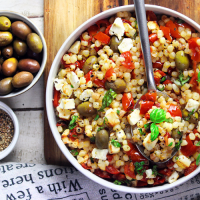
(18, 16)
(49, 96)
(12, 115)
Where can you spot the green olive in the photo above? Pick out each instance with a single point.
(102, 139)
(7, 52)
(88, 65)
(5, 38)
(6, 86)
(20, 47)
(9, 66)
(118, 85)
(86, 109)
(5, 23)
(34, 42)
(182, 60)
(114, 43)
(176, 134)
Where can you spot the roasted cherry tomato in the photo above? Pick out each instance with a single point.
(126, 21)
(166, 136)
(104, 22)
(112, 170)
(151, 16)
(72, 134)
(56, 98)
(109, 73)
(81, 62)
(150, 96)
(153, 37)
(157, 80)
(120, 177)
(85, 166)
(173, 29)
(174, 110)
(92, 30)
(141, 184)
(129, 170)
(160, 72)
(190, 169)
(195, 48)
(102, 174)
(88, 76)
(166, 32)
(109, 157)
(145, 106)
(108, 29)
(167, 82)
(99, 83)
(127, 101)
(158, 65)
(102, 37)
(128, 63)
(166, 172)
(159, 180)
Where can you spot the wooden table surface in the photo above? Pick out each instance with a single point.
(29, 107)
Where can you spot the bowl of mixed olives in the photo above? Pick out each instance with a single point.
(23, 54)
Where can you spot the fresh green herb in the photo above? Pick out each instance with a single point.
(189, 115)
(118, 182)
(107, 99)
(72, 86)
(131, 110)
(158, 115)
(118, 112)
(104, 123)
(135, 24)
(180, 81)
(74, 135)
(180, 21)
(96, 118)
(170, 144)
(198, 77)
(163, 79)
(198, 160)
(128, 182)
(115, 143)
(177, 145)
(72, 123)
(176, 158)
(136, 34)
(179, 133)
(161, 88)
(197, 144)
(169, 120)
(141, 132)
(92, 160)
(92, 139)
(154, 131)
(155, 172)
(74, 152)
(147, 126)
(139, 167)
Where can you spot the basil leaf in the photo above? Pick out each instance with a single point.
(198, 160)
(189, 115)
(74, 152)
(141, 132)
(170, 144)
(198, 77)
(96, 118)
(169, 120)
(197, 144)
(72, 123)
(158, 115)
(139, 167)
(118, 112)
(154, 132)
(115, 143)
(177, 145)
(107, 99)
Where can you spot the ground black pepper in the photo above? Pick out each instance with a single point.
(6, 130)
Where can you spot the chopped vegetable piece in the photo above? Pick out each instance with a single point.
(158, 115)
(96, 118)
(174, 111)
(170, 144)
(155, 172)
(139, 167)
(74, 152)
(141, 132)
(154, 131)
(127, 101)
(102, 37)
(115, 143)
(145, 106)
(198, 160)
(128, 63)
(72, 123)
(118, 112)
(177, 145)
(198, 143)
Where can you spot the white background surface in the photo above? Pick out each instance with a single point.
(29, 107)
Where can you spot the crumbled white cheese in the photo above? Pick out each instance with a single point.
(129, 30)
(183, 161)
(192, 105)
(148, 144)
(149, 173)
(134, 117)
(67, 89)
(112, 116)
(59, 83)
(85, 96)
(112, 149)
(73, 78)
(126, 45)
(173, 177)
(152, 25)
(99, 153)
(67, 104)
(117, 28)
(63, 113)
(121, 135)
(75, 48)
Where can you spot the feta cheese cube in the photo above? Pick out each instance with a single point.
(183, 161)
(129, 30)
(149, 173)
(120, 135)
(173, 177)
(192, 105)
(63, 113)
(134, 117)
(126, 45)
(152, 25)
(74, 80)
(67, 104)
(148, 144)
(85, 96)
(99, 153)
(117, 28)
(58, 83)
(75, 48)
(112, 149)
(113, 118)
(67, 89)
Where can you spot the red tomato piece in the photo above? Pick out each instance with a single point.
(166, 32)
(147, 116)
(128, 63)
(112, 170)
(141, 184)
(150, 96)
(109, 157)
(170, 163)
(85, 166)
(159, 180)
(158, 65)
(166, 136)
(98, 48)
(153, 37)
(167, 82)
(102, 174)
(81, 62)
(160, 72)
(104, 22)
(127, 101)
(185, 25)
(88, 76)
(129, 170)
(99, 83)
(109, 73)
(120, 177)
(126, 21)
(72, 134)
(107, 30)
(170, 70)
(56, 98)
(190, 169)
(151, 16)
(157, 80)
(166, 172)
(174, 110)
(145, 106)
(92, 30)
(195, 49)
(102, 37)
(173, 29)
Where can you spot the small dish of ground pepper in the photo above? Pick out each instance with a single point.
(9, 130)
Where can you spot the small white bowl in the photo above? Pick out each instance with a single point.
(12, 115)
(15, 16)
(49, 96)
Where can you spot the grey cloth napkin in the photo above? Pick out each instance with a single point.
(47, 182)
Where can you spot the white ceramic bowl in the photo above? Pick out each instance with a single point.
(12, 115)
(49, 96)
(16, 16)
